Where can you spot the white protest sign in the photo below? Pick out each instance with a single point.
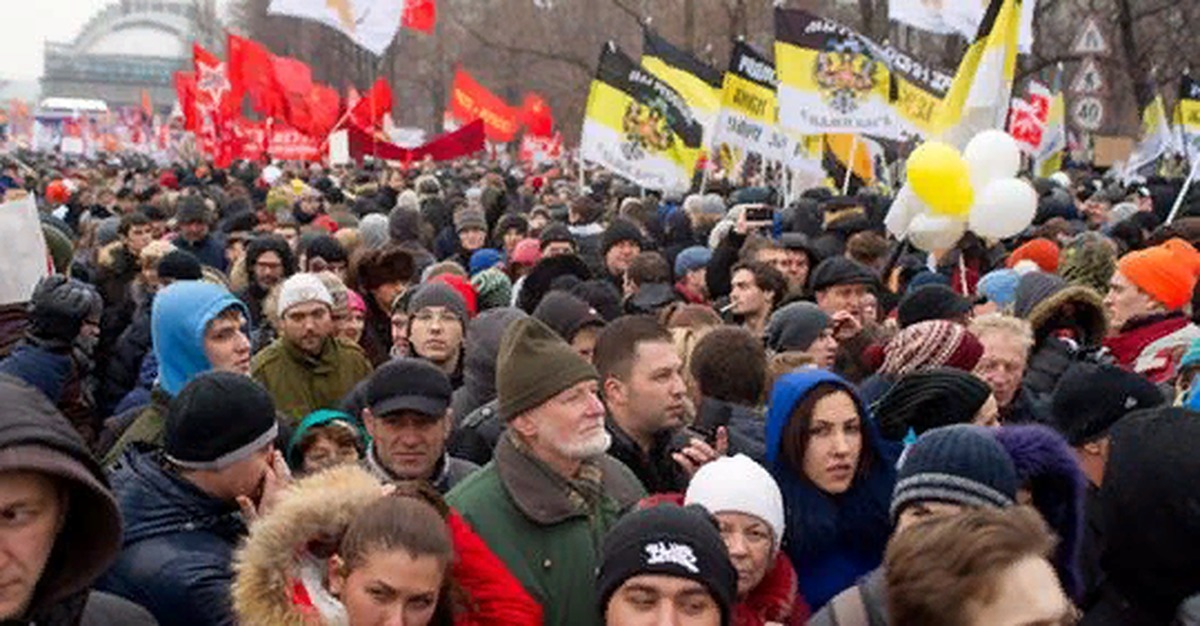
(23, 255)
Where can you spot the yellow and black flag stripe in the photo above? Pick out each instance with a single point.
(696, 81)
(638, 126)
(749, 118)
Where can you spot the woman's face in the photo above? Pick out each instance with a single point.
(324, 453)
(751, 548)
(390, 588)
(834, 443)
(351, 326)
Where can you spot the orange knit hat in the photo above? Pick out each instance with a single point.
(1167, 273)
(1041, 251)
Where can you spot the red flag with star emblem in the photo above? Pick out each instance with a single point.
(216, 107)
(536, 115)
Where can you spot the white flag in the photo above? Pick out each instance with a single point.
(947, 17)
(372, 24)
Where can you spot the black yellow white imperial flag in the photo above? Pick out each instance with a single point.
(638, 126)
(699, 84)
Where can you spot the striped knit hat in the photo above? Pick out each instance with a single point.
(934, 343)
(961, 464)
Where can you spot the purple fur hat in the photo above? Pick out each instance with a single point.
(1047, 467)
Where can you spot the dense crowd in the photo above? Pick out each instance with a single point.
(471, 393)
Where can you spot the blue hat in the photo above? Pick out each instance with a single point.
(1000, 287)
(485, 258)
(691, 259)
(961, 464)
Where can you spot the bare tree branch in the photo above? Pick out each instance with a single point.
(573, 61)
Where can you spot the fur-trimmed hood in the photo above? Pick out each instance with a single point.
(269, 565)
(1088, 314)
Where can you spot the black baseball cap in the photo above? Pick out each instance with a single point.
(408, 384)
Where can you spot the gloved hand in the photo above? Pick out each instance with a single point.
(59, 307)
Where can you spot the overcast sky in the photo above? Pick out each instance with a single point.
(29, 23)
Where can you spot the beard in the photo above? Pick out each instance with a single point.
(578, 447)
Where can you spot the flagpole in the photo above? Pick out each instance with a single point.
(850, 165)
(1187, 184)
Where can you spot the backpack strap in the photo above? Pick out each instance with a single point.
(849, 608)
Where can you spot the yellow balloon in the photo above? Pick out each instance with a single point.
(941, 178)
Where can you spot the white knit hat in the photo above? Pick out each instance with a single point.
(301, 288)
(739, 485)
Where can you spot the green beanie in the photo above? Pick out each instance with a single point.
(534, 365)
(60, 248)
(494, 289)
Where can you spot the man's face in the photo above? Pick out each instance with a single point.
(193, 231)
(620, 256)
(307, 325)
(569, 426)
(511, 237)
(697, 280)
(653, 599)
(436, 334)
(400, 331)
(1125, 302)
(290, 234)
(317, 264)
(558, 248)
(268, 269)
(745, 295)
(653, 397)
(246, 477)
(923, 510)
(226, 345)
(794, 267)
(138, 237)
(823, 349)
(396, 181)
(842, 298)
(32, 512)
(1002, 366)
(408, 443)
(310, 205)
(472, 239)
(1096, 213)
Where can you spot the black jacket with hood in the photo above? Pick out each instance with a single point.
(34, 437)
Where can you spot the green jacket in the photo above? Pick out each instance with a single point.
(300, 384)
(545, 530)
(148, 427)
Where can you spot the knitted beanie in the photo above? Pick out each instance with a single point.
(179, 265)
(439, 293)
(935, 343)
(931, 302)
(469, 219)
(566, 314)
(691, 259)
(1089, 260)
(1082, 415)
(619, 230)
(555, 233)
(484, 258)
(1033, 288)
(526, 252)
(668, 540)
(739, 485)
(1041, 251)
(1165, 274)
(464, 288)
(373, 230)
(999, 287)
(216, 420)
(493, 287)
(795, 327)
(928, 399)
(301, 288)
(535, 364)
(959, 464)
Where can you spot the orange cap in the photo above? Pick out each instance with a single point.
(1168, 275)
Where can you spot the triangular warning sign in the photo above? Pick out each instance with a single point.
(1091, 39)
(1088, 79)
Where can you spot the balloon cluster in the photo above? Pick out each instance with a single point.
(949, 192)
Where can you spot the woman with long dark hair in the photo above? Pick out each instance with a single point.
(836, 475)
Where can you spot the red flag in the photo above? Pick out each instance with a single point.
(295, 82)
(185, 91)
(368, 112)
(471, 101)
(250, 67)
(323, 104)
(463, 142)
(536, 115)
(215, 107)
(147, 106)
(420, 15)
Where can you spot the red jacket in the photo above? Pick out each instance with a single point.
(775, 599)
(1153, 347)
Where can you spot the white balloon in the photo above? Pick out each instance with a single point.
(992, 155)
(904, 208)
(1004, 209)
(935, 233)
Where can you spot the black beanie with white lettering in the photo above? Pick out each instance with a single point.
(668, 540)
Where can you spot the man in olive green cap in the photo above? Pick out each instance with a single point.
(551, 492)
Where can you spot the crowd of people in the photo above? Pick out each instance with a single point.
(471, 393)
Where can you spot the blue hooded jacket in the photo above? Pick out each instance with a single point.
(177, 324)
(832, 540)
